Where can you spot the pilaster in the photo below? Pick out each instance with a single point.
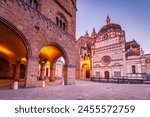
(32, 72)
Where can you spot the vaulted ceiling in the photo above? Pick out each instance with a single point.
(50, 53)
(11, 45)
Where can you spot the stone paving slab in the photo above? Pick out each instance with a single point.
(82, 90)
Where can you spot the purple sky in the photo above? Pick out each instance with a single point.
(132, 15)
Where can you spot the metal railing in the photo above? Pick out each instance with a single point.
(121, 80)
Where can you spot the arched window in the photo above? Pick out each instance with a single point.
(133, 69)
(32, 3)
(61, 21)
(64, 26)
(57, 21)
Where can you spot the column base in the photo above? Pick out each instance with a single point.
(43, 83)
(15, 85)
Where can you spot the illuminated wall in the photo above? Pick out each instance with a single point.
(85, 68)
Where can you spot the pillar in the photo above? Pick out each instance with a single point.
(17, 74)
(43, 72)
(43, 64)
(52, 72)
(69, 74)
(32, 72)
(17, 71)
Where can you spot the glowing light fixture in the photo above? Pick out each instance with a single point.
(24, 59)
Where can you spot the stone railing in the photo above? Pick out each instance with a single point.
(36, 14)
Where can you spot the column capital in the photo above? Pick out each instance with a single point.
(33, 58)
(17, 70)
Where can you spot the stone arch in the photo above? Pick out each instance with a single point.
(19, 33)
(85, 65)
(50, 52)
(63, 51)
(15, 48)
(61, 14)
(86, 71)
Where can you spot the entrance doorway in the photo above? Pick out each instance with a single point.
(87, 73)
(107, 74)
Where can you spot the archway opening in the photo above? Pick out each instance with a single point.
(13, 57)
(85, 71)
(52, 61)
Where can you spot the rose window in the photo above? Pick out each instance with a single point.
(106, 60)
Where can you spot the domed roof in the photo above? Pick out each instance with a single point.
(109, 26)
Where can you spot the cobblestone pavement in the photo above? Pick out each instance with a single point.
(81, 90)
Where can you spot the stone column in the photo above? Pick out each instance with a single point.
(32, 72)
(43, 72)
(17, 74)
(52, 72)
(65, 74)
(43, 64)
(69, 74)
(17, 71)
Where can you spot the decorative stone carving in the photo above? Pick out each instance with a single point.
(97, 66)
(106, 60)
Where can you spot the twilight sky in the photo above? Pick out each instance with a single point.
(132, 15)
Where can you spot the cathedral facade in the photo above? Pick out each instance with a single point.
(107, 54)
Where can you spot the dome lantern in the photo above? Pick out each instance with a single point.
(108, 20)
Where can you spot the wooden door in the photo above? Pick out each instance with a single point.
(106, 74)
(87, 73)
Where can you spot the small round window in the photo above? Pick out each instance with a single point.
(106, 60)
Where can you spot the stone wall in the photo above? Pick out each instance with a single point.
(50, 8)
(39, 31)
